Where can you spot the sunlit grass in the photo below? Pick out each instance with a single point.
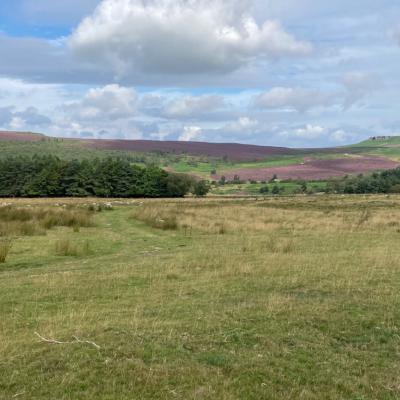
(268, 299)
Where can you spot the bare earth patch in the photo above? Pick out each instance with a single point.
(315, 169)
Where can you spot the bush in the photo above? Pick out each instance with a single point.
(276, 190)
(178, 185)
(201, 188)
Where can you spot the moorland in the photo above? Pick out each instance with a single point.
(200, 298)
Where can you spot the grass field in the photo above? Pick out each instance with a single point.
(252, 189)
(201, 299)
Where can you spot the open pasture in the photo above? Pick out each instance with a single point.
(279, 298)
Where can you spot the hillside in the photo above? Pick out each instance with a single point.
(214, 160)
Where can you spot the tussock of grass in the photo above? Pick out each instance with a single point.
(31, 221)
(5, 248)
(166, 220)
(68, 248)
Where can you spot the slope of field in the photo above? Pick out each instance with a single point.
(20, 136)
(213, 160)
(315, 169)
(278, 299)
(232, 151)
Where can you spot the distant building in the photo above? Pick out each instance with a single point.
(380, 137)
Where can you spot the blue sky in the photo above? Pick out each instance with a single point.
(299, 73)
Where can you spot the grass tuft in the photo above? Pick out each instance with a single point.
(166, 220)
(5, 248)
(66, 248)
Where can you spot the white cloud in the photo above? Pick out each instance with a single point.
(180, 37)
(244, 126)
(309, 132)
(341, 136)
(190, 133)
(6, 116)
(298, 99)
(27, 119)
(32, 117)
(189, 106)
(111, 102)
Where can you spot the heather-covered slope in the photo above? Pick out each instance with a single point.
(213, 160)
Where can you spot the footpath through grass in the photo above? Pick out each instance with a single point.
(187, 299)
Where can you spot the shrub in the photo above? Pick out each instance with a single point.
(276, 190)
(178, 185)
(201, 188)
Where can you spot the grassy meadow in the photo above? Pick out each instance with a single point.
(276, 298)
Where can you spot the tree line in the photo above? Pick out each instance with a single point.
(378, 182)
(50, 176)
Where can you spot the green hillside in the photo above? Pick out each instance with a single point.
(202, 166)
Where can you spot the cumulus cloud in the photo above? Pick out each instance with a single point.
(180, 37)
(31, 116)
(341, 136)
(190, 134)
(189, 106)
(244, 126)
(6, 116)
(309, 132)
(298, 99)
(27, 118)
(111, 102)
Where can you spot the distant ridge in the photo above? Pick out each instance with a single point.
(21, 136)
(229, 151)
(232, 151)
(249, 162)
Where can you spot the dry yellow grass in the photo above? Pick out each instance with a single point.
(268, 299)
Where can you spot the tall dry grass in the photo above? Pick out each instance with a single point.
(5, 248)
(67, 248)
(31, 221)
(34, 221)
(156, 217)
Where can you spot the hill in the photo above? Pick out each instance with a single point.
(214, 160)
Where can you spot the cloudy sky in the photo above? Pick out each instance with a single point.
(273, 72)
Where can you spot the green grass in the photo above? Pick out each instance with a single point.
(201, 166)
(287, 188)
(296, 299)
(393, 141)
(204, 168)
(73, 149)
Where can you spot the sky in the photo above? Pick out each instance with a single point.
(297, 73)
